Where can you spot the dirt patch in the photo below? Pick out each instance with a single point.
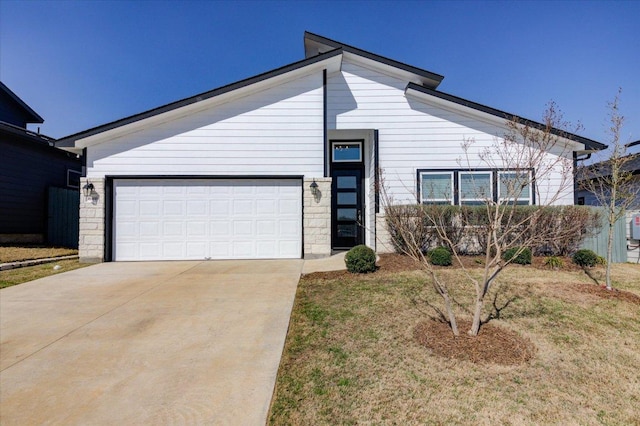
(393, 262)
(603, 293)
(493, 345)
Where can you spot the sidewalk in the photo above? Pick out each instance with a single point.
(325, 264)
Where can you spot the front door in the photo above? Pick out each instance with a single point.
(346, 208)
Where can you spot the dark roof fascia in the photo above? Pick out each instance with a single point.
(198, 98)
(588, 143)
(35, 118)
(393, 63)
(602, 169)
(24, 137)
(23, 133)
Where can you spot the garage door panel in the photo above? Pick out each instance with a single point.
(197, 207)
(220, 228)
(242, 249)
(172, 208)
(220, 207)
(197, 229)
(166, 219)
(148, 229)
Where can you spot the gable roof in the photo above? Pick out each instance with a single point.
(317, 50)
(315, 44)
(30, 115)
(69, 140)
(588, 143)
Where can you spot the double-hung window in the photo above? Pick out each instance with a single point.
(515, 187)
(475, 188)
(436, 187)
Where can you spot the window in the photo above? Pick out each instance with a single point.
(475, 187)
(346, 152)
(436, 187)
(73, 178)
(514, 187)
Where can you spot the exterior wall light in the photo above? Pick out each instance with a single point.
(314, 188)
(88, 189)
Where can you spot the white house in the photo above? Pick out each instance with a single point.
(283, 164)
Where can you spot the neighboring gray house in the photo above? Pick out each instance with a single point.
(29, 165)
(585, 197)
(283, 164)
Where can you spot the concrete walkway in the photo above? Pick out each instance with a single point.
(145, 343)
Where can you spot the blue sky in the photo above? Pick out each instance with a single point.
(80, 64)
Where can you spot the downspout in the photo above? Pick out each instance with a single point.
(324, 123)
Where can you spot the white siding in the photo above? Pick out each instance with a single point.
(278, 131)
(412, 133)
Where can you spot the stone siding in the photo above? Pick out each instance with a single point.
(92, 208)
(317, 218)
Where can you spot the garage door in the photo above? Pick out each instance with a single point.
(190, 219)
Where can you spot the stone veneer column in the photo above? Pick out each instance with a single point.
(92, 210)
(317, 218)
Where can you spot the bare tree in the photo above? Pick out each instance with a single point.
(611, 180)
(529, 161)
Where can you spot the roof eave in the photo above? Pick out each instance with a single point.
(315, 44)
(589, 144)
(71, 139)
(35, 118)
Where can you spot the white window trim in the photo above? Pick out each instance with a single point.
(437, 200)
(528, 199)
(69, 173)
(490, 196)
(333, 144)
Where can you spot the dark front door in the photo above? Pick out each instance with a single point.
(346, 208)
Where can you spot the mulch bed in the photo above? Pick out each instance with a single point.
(493, 345)
(602, 292)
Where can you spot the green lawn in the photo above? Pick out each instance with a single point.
(20, 275)
(351, 358)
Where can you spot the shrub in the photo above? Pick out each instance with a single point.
(440, 256)
(412, 226)
(360, 260)
(601, 261)
(553, 262)
(522, 258)
(585, 258)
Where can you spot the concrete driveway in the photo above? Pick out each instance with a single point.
(145, 343)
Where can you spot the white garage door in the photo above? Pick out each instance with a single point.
(180, 219)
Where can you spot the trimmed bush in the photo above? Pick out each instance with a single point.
(601, 261)
(411, 227)
(523, 258)
(585, 258)
(440, 256)
(360, 260)
(553, 262)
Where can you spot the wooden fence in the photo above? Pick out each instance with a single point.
(63, 217)
(598, 242)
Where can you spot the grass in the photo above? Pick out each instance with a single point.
(12, 277)
(17, 253)
(350, 356)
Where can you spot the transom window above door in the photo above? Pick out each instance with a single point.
(346, 151)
